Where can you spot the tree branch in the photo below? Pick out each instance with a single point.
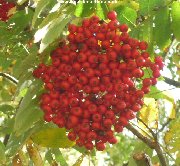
(9, 77)
(151, 144)
(172, 82)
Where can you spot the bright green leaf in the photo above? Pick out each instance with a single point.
(126, 15)
(84, 9)
(102, 10)
(147, 6)
(176, 19)
(52, 137)
(162, 32)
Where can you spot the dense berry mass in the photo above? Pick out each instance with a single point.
(96, 81)
(4, 9)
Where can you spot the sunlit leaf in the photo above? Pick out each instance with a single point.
(54, 31)
(172, 136)
(149, 113)
(126, 15)
(176, 19)
(52, 137)
(162, 31)
(39, 8)
(147, 6)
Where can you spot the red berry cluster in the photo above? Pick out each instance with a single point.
(95, 84)
(4, 9)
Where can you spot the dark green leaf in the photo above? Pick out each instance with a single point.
(162, 32)
(2, 153)
(176, 19)
(20, 20)
(6, 108)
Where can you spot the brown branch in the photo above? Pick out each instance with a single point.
(142, 159)
(172, 82)
(164, 125)
(34, 153)
(9, 77)
(151, 144)
(16, 160)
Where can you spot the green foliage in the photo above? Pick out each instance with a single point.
(2, 153)
(162, 32)
(176, 19)
(52, 137)
(54, 31)
(155, 21)
(126, 15)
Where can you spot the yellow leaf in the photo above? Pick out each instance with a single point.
(172, 136)
(52, 137)
(79, 161)
(149, 113)
(11, 11)
(170, 105)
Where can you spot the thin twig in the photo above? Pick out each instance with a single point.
(171, 82)
(150, 143)
(164, 125)
(150, 130)
(142, 130)
(9, 77)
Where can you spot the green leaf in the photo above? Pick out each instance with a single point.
(28, 112)
(146, 34)
(16, 142)
(6, 108)
(52, 137)
(84, 9)
(102, 10)
(126, 15)
(162, 32)
(42, 4)
(2, 153)
(26, 118)
(20, 20)
(48, 156)
(176, 19)
(147, 6)
(54, 31)
(59, 157)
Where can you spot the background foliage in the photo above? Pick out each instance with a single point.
(27, 38)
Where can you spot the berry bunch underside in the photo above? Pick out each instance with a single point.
(96, 82)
